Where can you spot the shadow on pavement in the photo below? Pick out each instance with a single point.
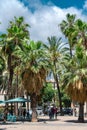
(44, 120)
(3, 129)
(75, 121)
(11, 123)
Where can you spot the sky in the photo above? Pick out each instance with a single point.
(43, 16)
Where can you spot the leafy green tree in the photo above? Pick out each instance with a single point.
(47, 93)
(66, 101)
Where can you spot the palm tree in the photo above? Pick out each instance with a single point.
(74, 30)
(56, 50)
(16, 33)
(81, 32)
(68, 29)
(75, 78)
(33, 71)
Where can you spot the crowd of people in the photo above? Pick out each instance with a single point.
(28, 113)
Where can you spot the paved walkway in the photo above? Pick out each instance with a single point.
(62, 123)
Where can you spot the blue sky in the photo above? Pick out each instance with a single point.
(67, 3)
(43, 16)
(60, 3)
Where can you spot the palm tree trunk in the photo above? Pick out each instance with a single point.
(10, 77)
(59, 95)
(81, 113)
(58, 89)
(33, 106)
(16, 95)
(10, 69)
(71, 52)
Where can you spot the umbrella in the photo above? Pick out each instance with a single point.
(1, 101)
(19, 99)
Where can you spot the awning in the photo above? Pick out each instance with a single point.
(19, 99)
(1, 101)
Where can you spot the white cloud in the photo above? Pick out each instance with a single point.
(44, 21)
(9, 9)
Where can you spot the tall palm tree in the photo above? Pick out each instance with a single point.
(16, 33)
(75, 78)
(68, 29)
(76, 32)
(33, 71)
(55, 48)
